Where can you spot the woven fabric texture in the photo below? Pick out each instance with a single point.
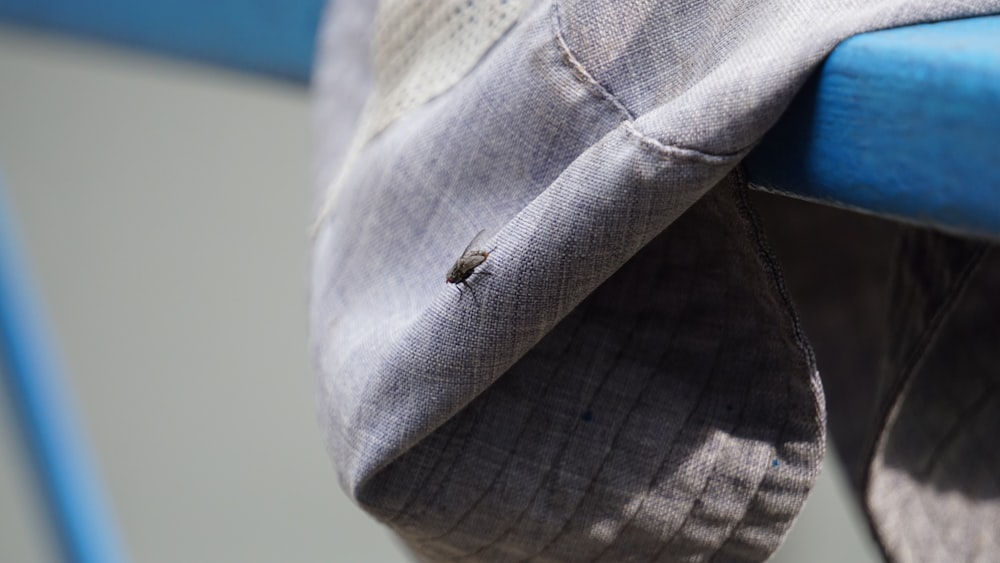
(624, 377)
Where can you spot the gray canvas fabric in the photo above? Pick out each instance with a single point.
(933, 483)
(625, 378)
(905, 325)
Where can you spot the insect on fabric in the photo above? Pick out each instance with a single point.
(472, 257)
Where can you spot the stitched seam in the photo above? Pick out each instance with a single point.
(896, 395)
(559, 457)
(668, 456)
(657, 478)
(736, 526)
(579, 71)
(442, 454)
(666, 542)
(773, 270)
(560, 460)
(678, 531)
(965, 418)
(914, 360)
(627, 118)
(650, 377)
(513, 449)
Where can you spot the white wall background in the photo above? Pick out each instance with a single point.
(164, 209)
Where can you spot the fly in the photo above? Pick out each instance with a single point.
(472, 257)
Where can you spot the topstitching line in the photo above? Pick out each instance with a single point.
(628, 119)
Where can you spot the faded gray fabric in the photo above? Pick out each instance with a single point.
(625, 378)
(905, 325)
(647, 424)
(933, 483)
(837, 264)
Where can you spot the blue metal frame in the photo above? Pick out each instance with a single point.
(902, 122)
(273, 37)
(74, 499)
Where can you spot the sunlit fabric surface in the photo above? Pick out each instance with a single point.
(626, 378)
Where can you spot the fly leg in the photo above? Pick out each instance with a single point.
(469, 287)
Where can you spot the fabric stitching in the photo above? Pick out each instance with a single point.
(578, 69)
(670, 450)
(597, 89)
(898, 392)
(557, 462)
(414, 493)
(659, 472)
(769, 262)
(511, 451)
(968, 416)
(738, 524)
(670, 540)
(562, 452)
(649, 379)
(773, 267)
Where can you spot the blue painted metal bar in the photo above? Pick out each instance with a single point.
(901, 122)
(76, 506)
(904, 123)
(273, 37)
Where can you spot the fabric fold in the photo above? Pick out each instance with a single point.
(625, 377)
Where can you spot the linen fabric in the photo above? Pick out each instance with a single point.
(904, 323)
(625, 378)
(932, 483)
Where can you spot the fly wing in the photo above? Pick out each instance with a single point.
(474, 244)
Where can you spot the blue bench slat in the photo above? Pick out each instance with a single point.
(902, 122)
(274, 37)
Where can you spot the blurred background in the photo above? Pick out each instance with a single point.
(163, 207)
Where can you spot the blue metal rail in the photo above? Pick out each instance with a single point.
(902, 123)
(273, 37)
(899, 122)
(27, 361)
